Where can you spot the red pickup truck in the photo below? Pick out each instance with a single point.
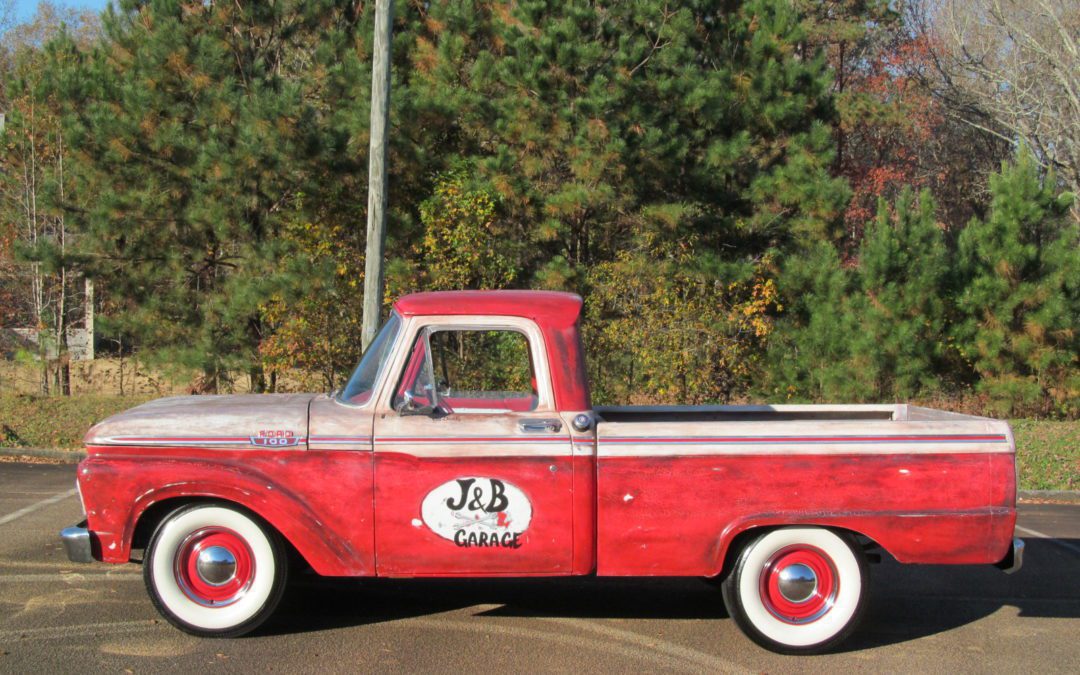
(465, 445)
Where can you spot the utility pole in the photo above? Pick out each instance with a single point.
(376, 215)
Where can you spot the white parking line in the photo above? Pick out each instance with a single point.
(710, 662)
(1053, 540)
(74, 576)
(38, 505)
(576, 641)
(83, 630)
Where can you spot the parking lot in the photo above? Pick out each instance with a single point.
(57, 616)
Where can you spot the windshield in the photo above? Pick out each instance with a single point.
(358, 390)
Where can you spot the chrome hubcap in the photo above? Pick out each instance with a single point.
(797, 582)
(216, 565)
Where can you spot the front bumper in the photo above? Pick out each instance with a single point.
(1014, 559)
(77, 543)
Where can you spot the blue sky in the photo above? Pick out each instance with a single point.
(24, 9)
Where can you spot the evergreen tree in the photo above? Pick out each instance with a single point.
(190, 128)
(903, 273)
(810, 355)
(1020, 273)
(647, 149)
(875, 331)
(594, 122)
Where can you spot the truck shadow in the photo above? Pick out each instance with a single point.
(913, 601)
(906, 601)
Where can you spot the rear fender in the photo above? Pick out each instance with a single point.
(980, 536)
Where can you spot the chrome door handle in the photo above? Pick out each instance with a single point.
(540, 426)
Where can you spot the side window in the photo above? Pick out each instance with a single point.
(468, 371)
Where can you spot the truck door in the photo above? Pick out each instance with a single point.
(473, 467)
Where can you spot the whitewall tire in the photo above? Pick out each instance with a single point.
(214, 570)
(798, 590)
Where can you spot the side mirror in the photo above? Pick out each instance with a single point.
(409, 406)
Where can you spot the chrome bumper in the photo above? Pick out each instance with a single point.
(1014, 558)
(77, 543)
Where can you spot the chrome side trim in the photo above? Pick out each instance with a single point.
(1014, 559)
(77, 543)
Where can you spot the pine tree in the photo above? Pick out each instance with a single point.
(874, 331)
(901, 343)
(594, 121)
(649, 155)
(190, 128)
(1020, 273)
(810, 355)
(643, 136)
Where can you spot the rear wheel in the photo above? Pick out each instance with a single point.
(213, 570)
(798, 590)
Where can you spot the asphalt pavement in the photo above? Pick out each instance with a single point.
(58, 616)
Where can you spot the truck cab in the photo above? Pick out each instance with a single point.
(468, 410)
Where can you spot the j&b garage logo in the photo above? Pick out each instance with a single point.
(474, 511)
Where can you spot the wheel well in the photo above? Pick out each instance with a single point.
(150, 519)
(735, 546)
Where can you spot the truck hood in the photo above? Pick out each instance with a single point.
(239, 422)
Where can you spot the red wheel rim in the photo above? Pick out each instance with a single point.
(799, 561)
(194, 579)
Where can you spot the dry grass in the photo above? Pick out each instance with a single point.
(55, 421)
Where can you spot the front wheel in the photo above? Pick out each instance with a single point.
(798, 590)
(214, 571)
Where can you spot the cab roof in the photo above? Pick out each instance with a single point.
(545, 307)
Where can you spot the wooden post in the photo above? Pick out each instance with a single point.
(376, 216)
(88, 323)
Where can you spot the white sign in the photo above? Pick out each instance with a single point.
(478, 512)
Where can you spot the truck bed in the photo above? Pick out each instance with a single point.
(679, 483)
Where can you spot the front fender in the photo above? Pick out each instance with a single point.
(320, 502)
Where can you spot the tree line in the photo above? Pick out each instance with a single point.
(777, 200)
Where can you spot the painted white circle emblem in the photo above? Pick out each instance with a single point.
(475, 511)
